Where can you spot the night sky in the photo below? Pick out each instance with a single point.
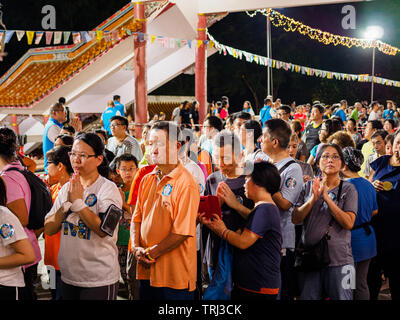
(225, 74)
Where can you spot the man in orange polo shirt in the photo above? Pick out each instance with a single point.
(163, 231)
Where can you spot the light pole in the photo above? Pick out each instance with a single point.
(269, 54)
(373, 33)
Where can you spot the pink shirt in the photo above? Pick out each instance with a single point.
(18, 188)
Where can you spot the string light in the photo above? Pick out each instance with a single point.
(290, 25)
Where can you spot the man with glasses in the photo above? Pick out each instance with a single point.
(283, 113)
(121, 142)
(52, 129)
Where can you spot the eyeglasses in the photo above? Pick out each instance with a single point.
(326, 157)
(116, 125)
(82, 156)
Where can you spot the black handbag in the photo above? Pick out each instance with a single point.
(315, 257)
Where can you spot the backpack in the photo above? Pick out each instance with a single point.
(41, 201)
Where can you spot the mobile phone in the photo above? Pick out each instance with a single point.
(110, 219)
(210, 206)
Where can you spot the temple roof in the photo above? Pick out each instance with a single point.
(41, 71)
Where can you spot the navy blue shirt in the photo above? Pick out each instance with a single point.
(363, 245)
(386, 223)
(257, 268)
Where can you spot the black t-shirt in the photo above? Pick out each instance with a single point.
(185, 114)
(257, 268)
(311, 136)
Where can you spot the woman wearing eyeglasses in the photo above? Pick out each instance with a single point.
(88, 258)
(322, 203)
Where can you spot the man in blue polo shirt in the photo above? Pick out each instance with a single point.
(265, 112)
(119, 105)
(110, 112)
(390, 111)
(340, 112)
(53, 128)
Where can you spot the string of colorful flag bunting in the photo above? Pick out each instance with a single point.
(287, 66)
(167, 42)
(290, 25)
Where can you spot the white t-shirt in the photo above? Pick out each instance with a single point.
(197, 174)
(86, 259)
(11, 231)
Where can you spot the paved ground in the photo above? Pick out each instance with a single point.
(45, 294)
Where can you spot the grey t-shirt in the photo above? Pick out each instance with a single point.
(291, 184)
(317, 221)
(129, 145)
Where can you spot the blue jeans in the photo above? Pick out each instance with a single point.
(333, 282)
(148, 292)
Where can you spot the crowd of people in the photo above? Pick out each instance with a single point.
(291, 183)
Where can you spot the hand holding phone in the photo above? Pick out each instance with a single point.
(209, 205)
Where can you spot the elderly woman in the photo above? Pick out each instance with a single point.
(363, 241)
(328, 205)
(386, 180)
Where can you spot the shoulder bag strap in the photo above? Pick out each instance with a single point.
(286, 165)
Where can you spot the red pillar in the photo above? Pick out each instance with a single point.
(140, 66)
(14, 123)
(201, 67)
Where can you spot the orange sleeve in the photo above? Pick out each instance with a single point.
(134, 192)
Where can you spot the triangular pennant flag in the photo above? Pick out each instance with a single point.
(172, 43)
(178, 43)
(199, 43)
(67, 34)
(99, 34)
(76, 37)
(85, 36)
(9, 34)
(212, 44)
(39, 35)
(92, 34)
(57, 37)
(153, 38)
(49, 36)
(30, 35)
(189, 43)
(20, 34)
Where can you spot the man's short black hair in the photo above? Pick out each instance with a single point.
(243, 115)
(267, 100)
(285, 108)
(320, 108)
(62, 100)
(266, 175)
(116, 97)
(376, 124)
(279, 129)
(215, 122)
(69, 128)
(379, 133)
(125, 157)
(255, 126)
(103, 133)
(172, 129)
(124, 121)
